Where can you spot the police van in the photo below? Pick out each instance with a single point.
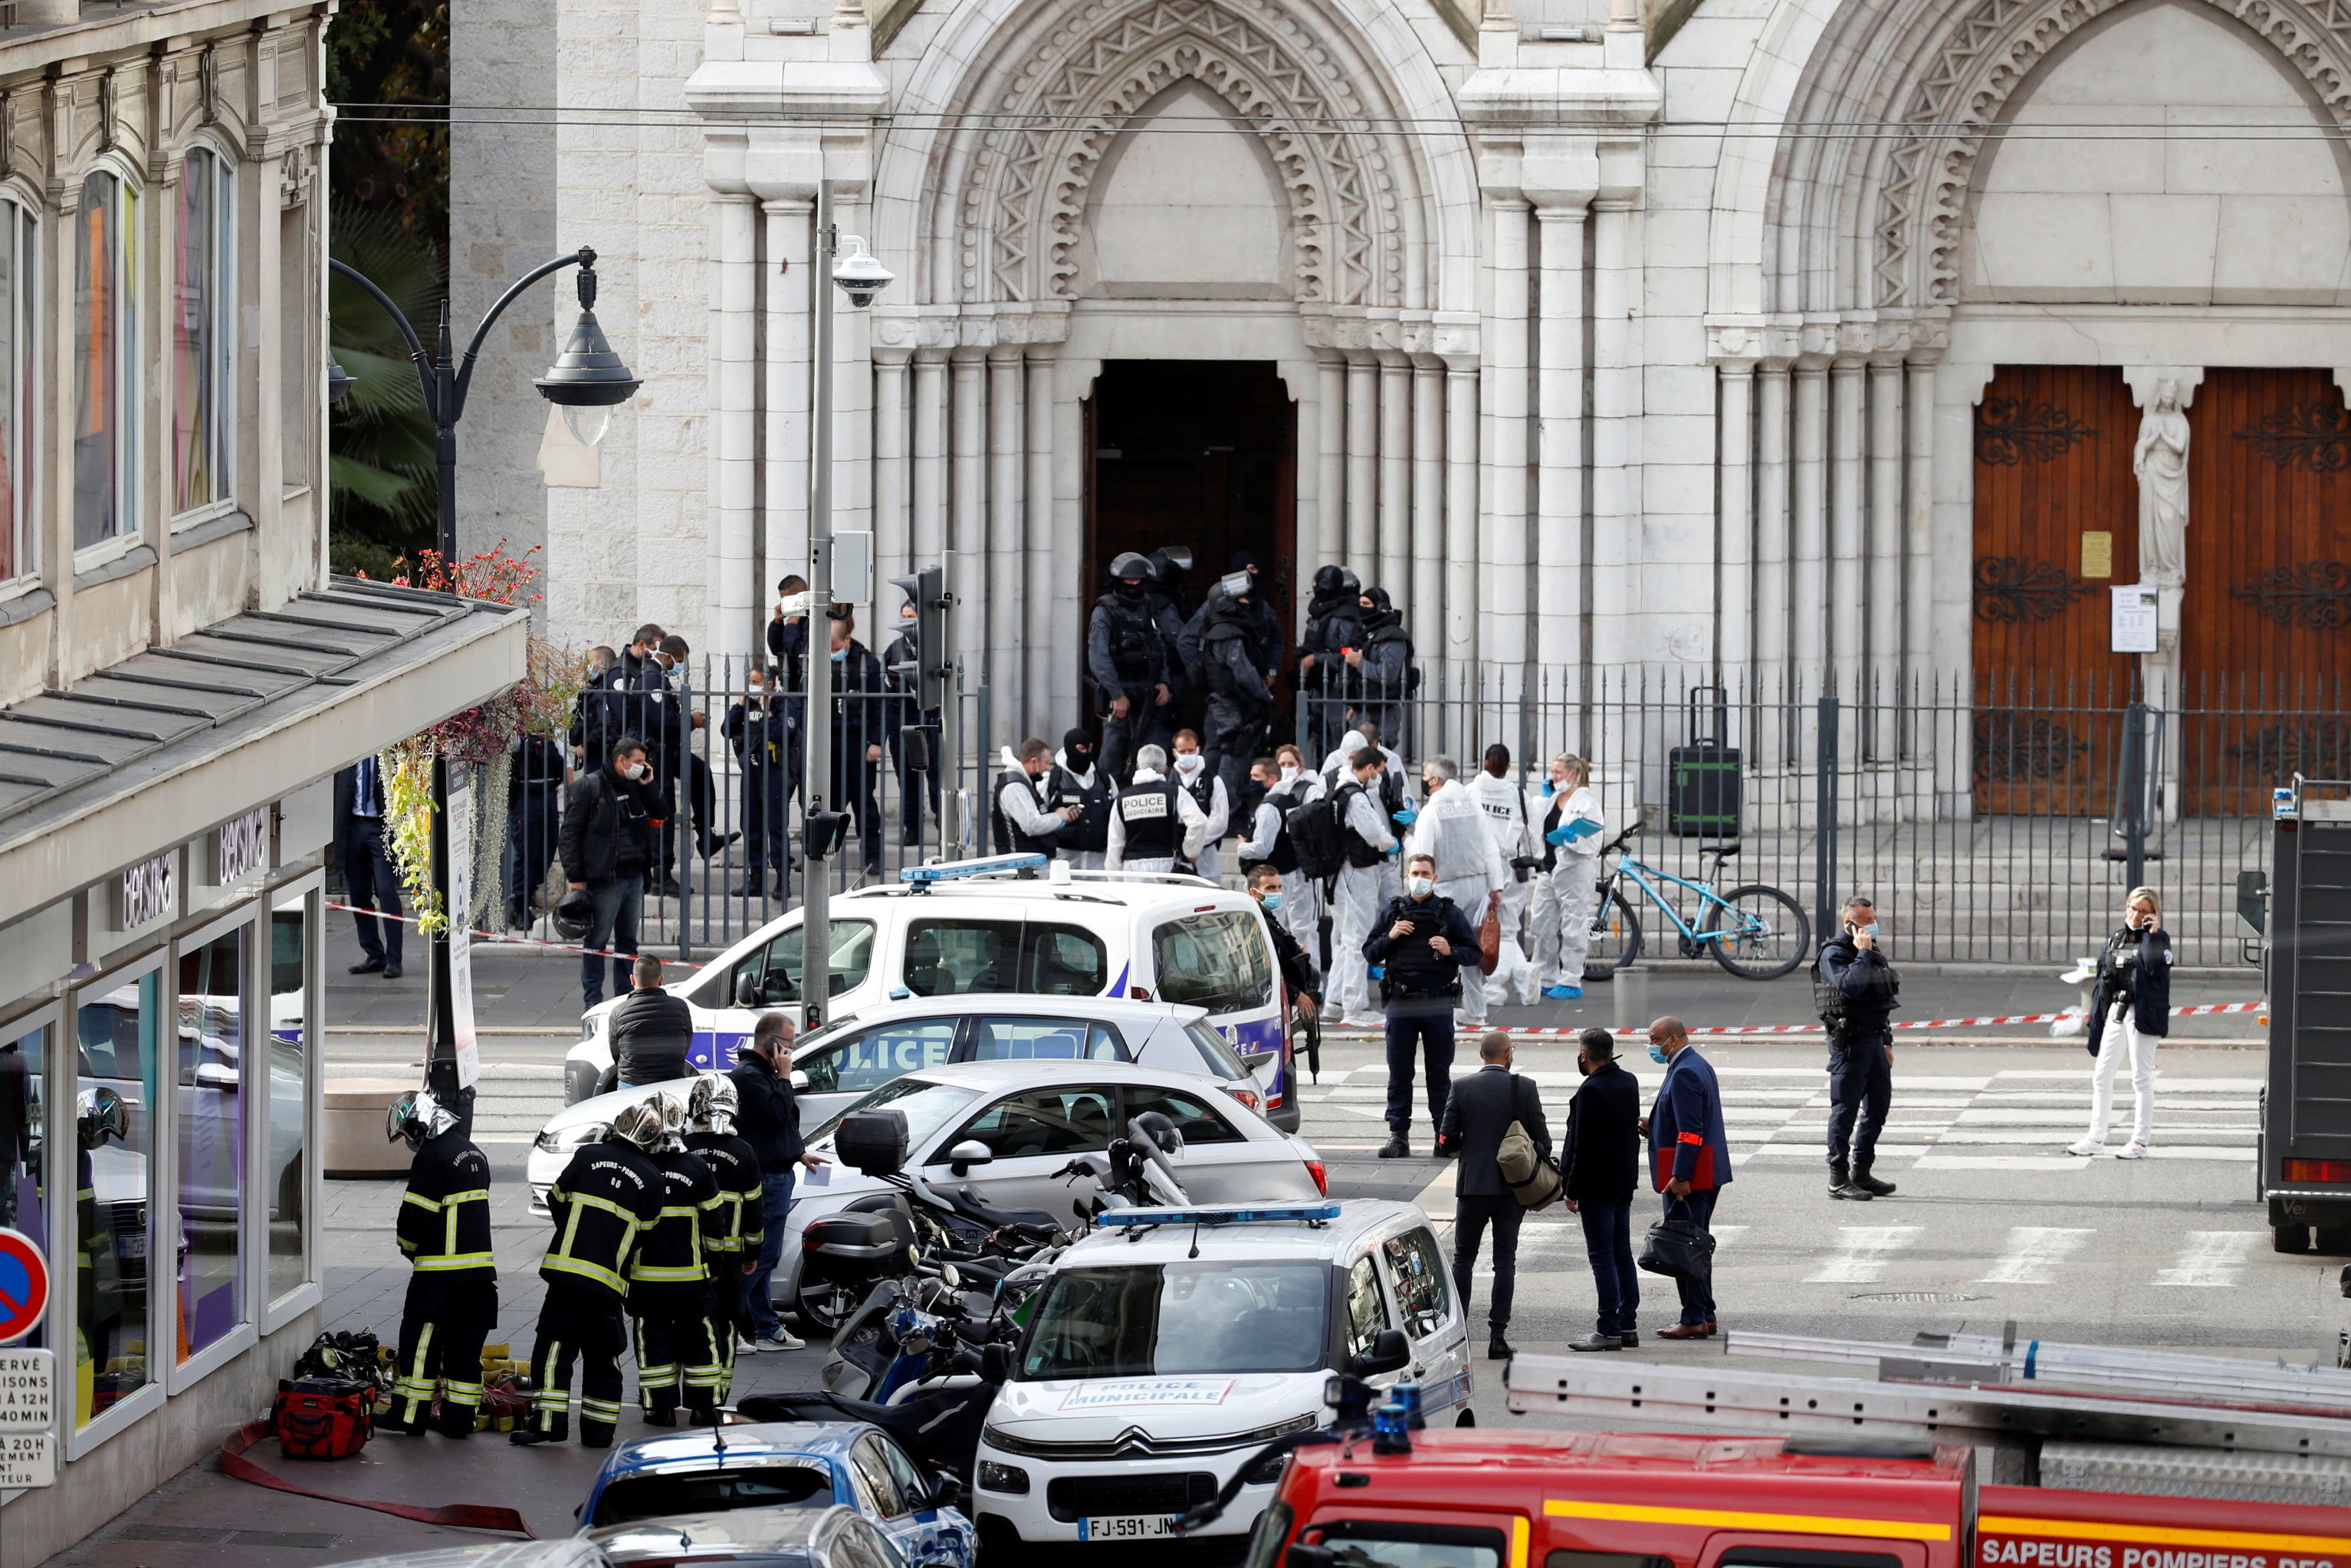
(1006, 923)
(1169, 1348)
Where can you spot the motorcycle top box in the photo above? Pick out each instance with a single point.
(873, 1141)
(873, 1238)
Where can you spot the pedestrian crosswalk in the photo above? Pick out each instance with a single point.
(2011, 1119)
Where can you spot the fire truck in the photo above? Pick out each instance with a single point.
(1966, 1452)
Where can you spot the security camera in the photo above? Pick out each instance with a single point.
(858, 276)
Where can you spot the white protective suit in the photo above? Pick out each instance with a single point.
(1358, 904)
(1563, 898)
(1219, 811)
(1194, 822)
(1301, 896)
(1505, 805)
(1451, 828)
(1337, 770)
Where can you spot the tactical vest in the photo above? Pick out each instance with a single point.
(1008, 836)
(1154, 827)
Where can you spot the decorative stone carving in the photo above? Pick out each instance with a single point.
(293, 174)
(2161, 460)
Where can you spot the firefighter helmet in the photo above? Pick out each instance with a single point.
(417, 1116)
(639, 1123)
(711, 1105)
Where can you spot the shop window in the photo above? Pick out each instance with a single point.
(204, 336)
(288, 1170)
(19, 309)
(114, 1105)
(106, 361)
(24, 1204)
(210, 1100)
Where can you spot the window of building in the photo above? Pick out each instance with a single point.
(19, 309)
(24, 1204)
(116, 1030)
(106, 391)
(287, 1145)
(203, 333)
(209, 1106)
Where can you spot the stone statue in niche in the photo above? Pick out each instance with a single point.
(2160, 461)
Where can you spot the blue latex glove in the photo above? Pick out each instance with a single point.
(1560, 834)
(1407, 817)
(1581, 828)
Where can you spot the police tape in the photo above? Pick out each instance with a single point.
(503, 939)
(1558, 1031)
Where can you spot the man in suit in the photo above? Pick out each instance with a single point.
(1478, 1115)
(369, 880)
(1599, 1173)
(1690, 1155)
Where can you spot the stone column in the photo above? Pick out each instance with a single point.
(734, 436)
(1884, 530)
(1008, 430)
(1395, 546)
(1501, 553)
(927, 530)
(1735, 522)
(892, 542)
(1460, 515)
(1848, 391)
(1771, 560)
(1426, 600)
(1329, 536)
(1038, 541)
(1559, 409)
(1072, 379)
(1809, 532)
(1919, 536)
(967, 499)
(1363, 448)
(1616, 509)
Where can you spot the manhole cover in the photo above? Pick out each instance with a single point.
(1916, 1298)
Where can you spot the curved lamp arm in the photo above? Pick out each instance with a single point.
(584, 257)
(416, 351)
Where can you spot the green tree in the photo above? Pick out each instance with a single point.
(380, 470)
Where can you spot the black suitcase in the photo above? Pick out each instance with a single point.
(1702, 779)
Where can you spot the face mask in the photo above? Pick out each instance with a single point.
(1289, 775)
(1419, 886)
(1582, 1068)
(1190, 762)
(839, 655)
(642, 771)
(1272, 899)
(1869, 930)
(1130, 590)
(1657, 1054)
(1081, 760)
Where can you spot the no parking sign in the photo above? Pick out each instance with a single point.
(24, 1286)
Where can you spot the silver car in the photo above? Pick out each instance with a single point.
(999, 1130)
(840, 1065)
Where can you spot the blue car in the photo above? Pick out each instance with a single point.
(812, 1465)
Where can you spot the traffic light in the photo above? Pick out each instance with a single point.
(932, 656)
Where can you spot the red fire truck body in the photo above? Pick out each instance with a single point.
(1482, 1499)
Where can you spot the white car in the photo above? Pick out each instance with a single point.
(840, 1065)
(1160, 1360)
(1030, 1119)
(977, 929)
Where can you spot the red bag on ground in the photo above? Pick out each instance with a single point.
(322, 1418)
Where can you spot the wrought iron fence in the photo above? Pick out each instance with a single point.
(1990, 821)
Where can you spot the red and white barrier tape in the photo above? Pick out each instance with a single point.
(505, 939)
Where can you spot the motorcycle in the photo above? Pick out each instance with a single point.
(939, 1428)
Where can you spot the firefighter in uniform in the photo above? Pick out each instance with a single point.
(669, 1283)
(443, 1232)
(606, 1199)
(733, 1243)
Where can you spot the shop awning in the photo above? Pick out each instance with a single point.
(142, 755)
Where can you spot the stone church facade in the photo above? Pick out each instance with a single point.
(1809, 340)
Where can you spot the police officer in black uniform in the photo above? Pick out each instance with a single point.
(1857, 991)
(862, 708)
(443, 1232)
(906, 755)
(669, 1282)
(605, 1200)
(733, 1243)
(1335, 622)
(1128, 658)
(1381, 669)
(1426, 942)
(1240, 701)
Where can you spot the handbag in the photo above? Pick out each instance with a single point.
(1680, 1248)
(1490, 940)
(1532, 1176)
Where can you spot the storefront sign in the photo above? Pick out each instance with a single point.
(145, 894)
(27, 1390)
(27, 1459)
(240, 847)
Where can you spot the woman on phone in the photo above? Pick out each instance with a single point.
(2130, 1011)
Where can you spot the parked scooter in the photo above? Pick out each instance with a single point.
(939, 1428)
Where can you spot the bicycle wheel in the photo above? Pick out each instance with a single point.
(1616, 939)
(1765, 933)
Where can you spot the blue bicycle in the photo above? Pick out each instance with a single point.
(1757, 933)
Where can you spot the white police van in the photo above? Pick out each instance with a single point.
(1167, 1348)
(995, 926)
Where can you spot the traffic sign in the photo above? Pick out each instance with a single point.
(28, 1399)
(24, 1285)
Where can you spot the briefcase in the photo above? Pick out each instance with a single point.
(1678, 1246)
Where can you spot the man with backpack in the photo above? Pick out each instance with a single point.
(1154, 822)
(1423, 941)
(1271, 842)
(1857, 990)
(1351, 813)
(1479, 1116)
(1127, 656)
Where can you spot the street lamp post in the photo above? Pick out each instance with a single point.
(587, 381)
(860, 280)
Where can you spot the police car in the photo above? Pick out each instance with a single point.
(974, 927)
(1169, 1348)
